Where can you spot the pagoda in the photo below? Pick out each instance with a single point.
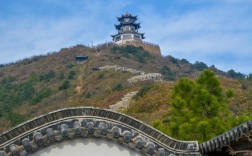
(127, 30)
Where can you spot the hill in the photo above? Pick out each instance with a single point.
(40, 84)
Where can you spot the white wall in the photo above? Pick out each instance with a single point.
(86, 147)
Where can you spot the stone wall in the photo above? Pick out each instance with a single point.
(123, 69)
(157, 77)
(150, 76)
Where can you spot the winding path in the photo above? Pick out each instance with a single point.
(124, 103)
(157, 77)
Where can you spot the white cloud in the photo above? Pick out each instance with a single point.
(32, 35)
(203, 32)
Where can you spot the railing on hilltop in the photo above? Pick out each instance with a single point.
(149, 43)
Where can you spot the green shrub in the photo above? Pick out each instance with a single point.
(101, 75)
(118, 87)
(69, 65)
(61, 76)
(71, 74)
(33, 77)
(47, 76)
(229, 93)
(138, 53)
(235, 75)
(88, 95)
(199, 66)
(249, 77)
(172, 59)
(184, 61)
(25, 91)
(15, 118)
(167, 73)
(115, 49)
(13, 94)
(43, 93)
(64, 85)
(144, 91)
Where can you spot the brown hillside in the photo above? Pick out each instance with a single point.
(40, 84)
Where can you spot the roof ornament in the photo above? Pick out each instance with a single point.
(127, 13)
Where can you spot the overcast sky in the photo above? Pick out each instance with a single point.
(217, 32)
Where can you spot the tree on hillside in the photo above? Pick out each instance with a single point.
(138, 53)
(199, 66)
(235, 75)
(64, 85)
(167, 73)
(198, 109)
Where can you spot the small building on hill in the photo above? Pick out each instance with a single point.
(128, 34)
(80, 58)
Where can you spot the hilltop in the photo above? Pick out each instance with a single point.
(40, 84)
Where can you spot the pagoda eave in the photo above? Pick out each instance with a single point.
(142, 34)
(114, 35)
(129, 16)
(136, 25)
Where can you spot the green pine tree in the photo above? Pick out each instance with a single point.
(199, 109)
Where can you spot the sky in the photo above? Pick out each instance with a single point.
(216, 32)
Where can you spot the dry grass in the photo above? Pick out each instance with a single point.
(95, 88)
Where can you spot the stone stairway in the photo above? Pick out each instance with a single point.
(124, 103)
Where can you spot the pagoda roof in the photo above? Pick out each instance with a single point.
(136, 25)
(130, 22)
(127, 15)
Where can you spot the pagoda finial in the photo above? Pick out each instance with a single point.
(127, 13)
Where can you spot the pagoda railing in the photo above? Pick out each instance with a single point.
(150, 43)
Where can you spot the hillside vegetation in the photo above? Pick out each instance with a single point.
(41, 84)
(199, 109)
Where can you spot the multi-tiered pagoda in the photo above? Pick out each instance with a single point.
(127, 30)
